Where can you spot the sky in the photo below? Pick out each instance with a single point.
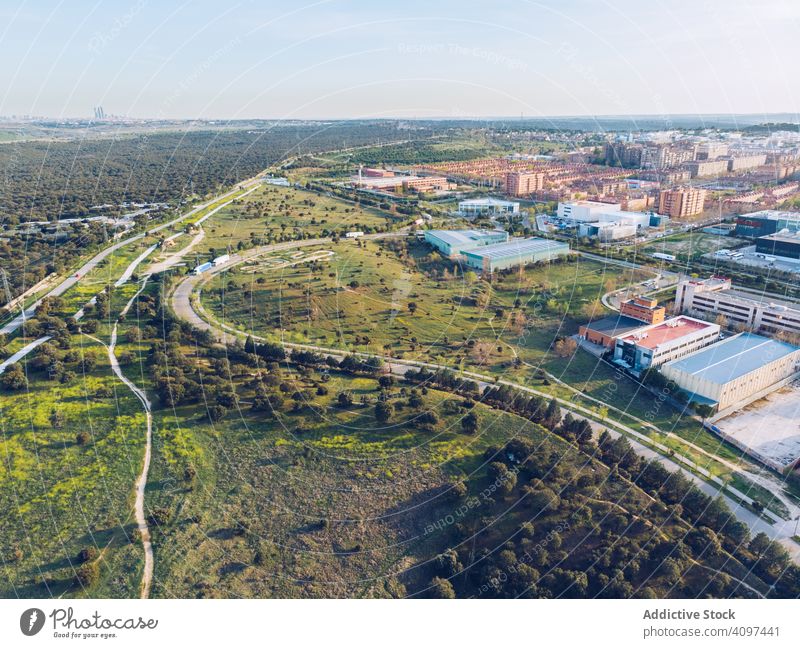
(355, 59)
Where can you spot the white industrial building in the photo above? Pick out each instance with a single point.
(730, 372)
(656, 344)
(715, 296)
(453, 243)
(587, 211)
(487, 207)
(610, 231)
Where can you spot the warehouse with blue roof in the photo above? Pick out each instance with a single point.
(732, 371)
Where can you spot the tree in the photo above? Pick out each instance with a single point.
(383, 411)
(759, 544)
(703, 409)
(56, 418)
(13, 378)
(412, 307)
(82, 438)
(469, 424)
(565, 348)
(552, 416)
(441, 588)
(134, 334)
(88, 574)
(216, 412)
(345, 399)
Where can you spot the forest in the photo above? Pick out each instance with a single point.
(57, 180)
(54, 180)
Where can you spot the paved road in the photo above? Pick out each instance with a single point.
(133, 265)
(92, 263)
(22, 353)
(174, 258)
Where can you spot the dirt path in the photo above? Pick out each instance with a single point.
(141, 481)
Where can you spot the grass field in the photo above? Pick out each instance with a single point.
(412, 304)
(310, 502)
(318, 304)
(273, 213)
(58, 496)
(689, 246)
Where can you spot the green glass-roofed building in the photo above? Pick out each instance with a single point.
(455, 242)
(514, 253)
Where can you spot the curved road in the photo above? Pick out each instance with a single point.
(184, 308)
(92, 263)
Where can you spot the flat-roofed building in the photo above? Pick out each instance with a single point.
(784, 244)
(711, 150)
(766, 221)
(589, 211)
(743, 162)
(453, 243)
(733, 370)
(659, 156)
(487, 207)
(703, 168)
(406, 182)
(376, 173)
(655, 344)
(426, 183)
(524, 183)
(514, 253)
(715, 296)
(644, 309)
(623, 154)
(608, 231)
(681, 202)
(586, 210)
(605, 331)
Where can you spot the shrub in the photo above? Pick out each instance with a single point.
(88, 574)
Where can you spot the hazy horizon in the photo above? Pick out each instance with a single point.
(357, 60)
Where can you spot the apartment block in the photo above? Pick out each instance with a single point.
(743, 162)
(663, 157)
(703, 168)
(681, 202)
(711, 150)
(524, 184)
(623, 155)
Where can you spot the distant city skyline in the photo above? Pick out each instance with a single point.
(353, 59)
